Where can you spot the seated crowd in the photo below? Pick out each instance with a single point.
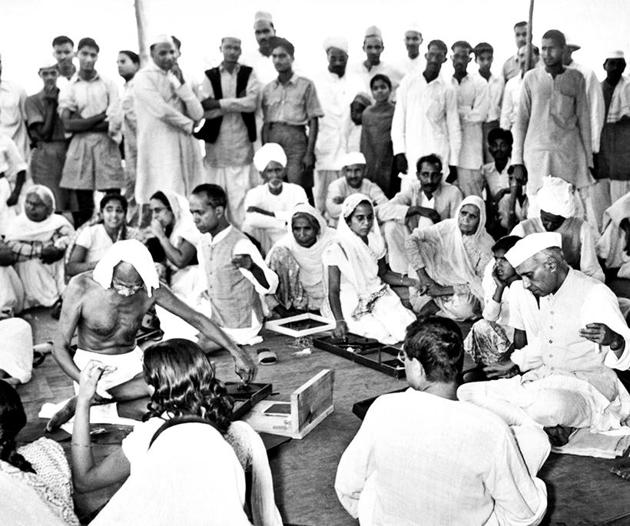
(424, 217)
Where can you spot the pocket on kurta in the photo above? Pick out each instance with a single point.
(562, 109)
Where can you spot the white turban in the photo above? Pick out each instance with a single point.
(338, 42)
(269, 152)
(161, 38)
(351, 158)
(530, 246)
(130, 251)
(557, 197)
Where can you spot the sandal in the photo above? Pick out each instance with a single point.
(266, 356)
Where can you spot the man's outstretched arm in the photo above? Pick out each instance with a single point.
(244, 365)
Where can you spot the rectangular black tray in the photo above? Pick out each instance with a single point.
(365, 351)
(246, 398)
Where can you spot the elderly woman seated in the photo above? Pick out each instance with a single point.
(358, 279)
(268, 206)
(172, 242)
(297, 260)
(450, 258)
(38, 239)
(94, 240)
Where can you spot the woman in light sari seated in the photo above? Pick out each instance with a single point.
(297, 260)
(38, 239)
(94, 240)
(173, 243)
(358, 278)
(190, 471)
(449, 258)
(35, 479)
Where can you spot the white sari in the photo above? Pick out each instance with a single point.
(453, 259)
(370, 308)
(43, 282)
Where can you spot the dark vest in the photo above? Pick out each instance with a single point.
(209, 132)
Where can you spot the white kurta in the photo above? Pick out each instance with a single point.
(420, 457)
(269, 229)
(426, 121)
(596, 104)
(169, 157)
(473, 101)
(509, 104)
(13, 115)
(335, 95)
(567, 380)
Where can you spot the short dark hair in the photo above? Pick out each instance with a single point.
(461, 43)
(214, 194)
(505, 243)
(437, 344)
(132, 56)
(556, 35)
(380, 76)
(61, 40)
(520, 24)
(483, 47)
(438, 44)
(432, 158)
(113, 196)
(500, 133)
(177, 42)
(88, 42)
(276, 42)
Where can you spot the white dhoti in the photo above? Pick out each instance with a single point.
(125, 367)
(549, 401)
(322, 180)
(16, 353)
(11, 292)
(236, 181)
(43, 283)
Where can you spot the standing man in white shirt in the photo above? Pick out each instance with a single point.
(373, 47)
(336, 89)
(472, 105)
(414, 62)
(264, 31)
(422, 456)
(63, 51)
(229, 95)
(512, 91)
(511, 66)
(13, 114)
(484, 57)
(426, 119)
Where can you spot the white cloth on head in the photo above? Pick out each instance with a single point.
(617, 53)
(530, 246)
(557, 197)
(373, 31)
(16, 357)
(351, 158)
(269, 152)
(263, 15)
(129, 251)
(183, 225)
(338, 42)
(161, 38)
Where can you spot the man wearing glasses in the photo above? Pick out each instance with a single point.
(423, 455)
(106, 307)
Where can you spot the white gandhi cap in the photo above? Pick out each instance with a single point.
(530, 246)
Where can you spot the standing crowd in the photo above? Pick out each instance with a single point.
(393, 199)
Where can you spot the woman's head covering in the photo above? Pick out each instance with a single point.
(183, 226)
(375, 238)
(269, 152)
(312, 213)
(130, 251)
(481, 206)
(45, 194)
(557, 197)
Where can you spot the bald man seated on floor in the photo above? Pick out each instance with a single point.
(106, 307)
(569, 334)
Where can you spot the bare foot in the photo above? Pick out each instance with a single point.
(62, 416)
(559, 435)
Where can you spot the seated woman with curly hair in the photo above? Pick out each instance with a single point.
(185, 461)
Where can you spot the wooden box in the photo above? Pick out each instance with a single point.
(301, 325)
(309, 405)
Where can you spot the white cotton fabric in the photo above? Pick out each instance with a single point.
(16, 357)
(557, 197)
(530, 246)
(269, 152)
(447, 462)
(130, 251)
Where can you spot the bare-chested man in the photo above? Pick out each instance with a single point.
(106, 307)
